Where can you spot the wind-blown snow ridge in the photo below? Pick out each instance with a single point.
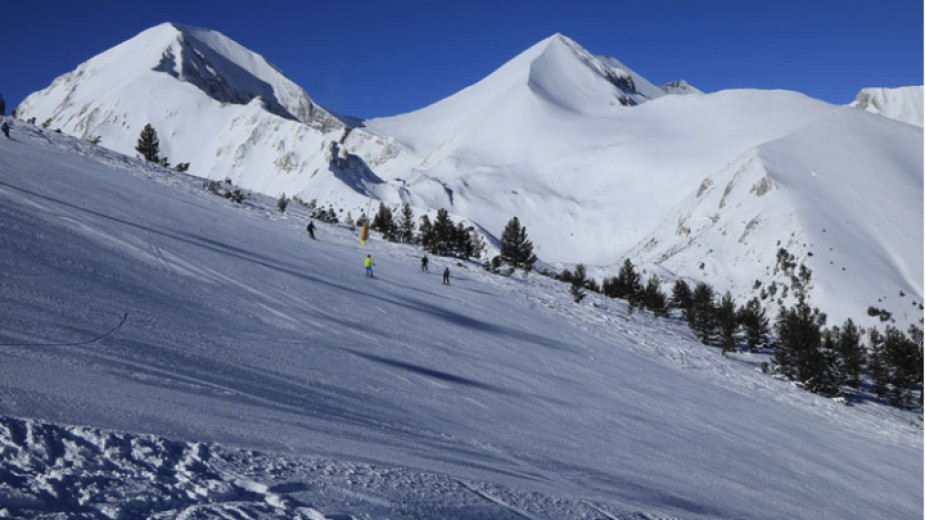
(491, 398)
(904, 104)
(860, 235)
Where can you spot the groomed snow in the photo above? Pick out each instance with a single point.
(395, 397)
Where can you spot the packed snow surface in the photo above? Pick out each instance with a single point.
(170, 354)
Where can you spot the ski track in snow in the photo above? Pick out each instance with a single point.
(307, 398)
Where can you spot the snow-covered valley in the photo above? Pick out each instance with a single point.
(153, 332)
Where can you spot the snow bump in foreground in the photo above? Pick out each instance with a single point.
(53, 472)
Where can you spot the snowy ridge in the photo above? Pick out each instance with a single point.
(859, 234)
(680, 87)
(904, 104)
(212, 63)
(492, 398)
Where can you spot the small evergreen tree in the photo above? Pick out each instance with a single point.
(877, 363)
(682, 298)
(426, 233)
(516, 249)
(653, 297)
(904, 359)
(727, 324)
(282, 203)
(148, 145)
(383, 222)
(406, 229)
(444, 233)
(828, 378)
(755, 324)
(851, 353)
(628, 286)
(798, 353)
(577, 293)
(702, 314)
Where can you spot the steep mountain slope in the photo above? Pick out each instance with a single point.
(214, 104)
(545, 138)
(904, 104)
(132, 299)
(841, 195)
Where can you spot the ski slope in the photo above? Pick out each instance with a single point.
(152, 331)
(597, 162)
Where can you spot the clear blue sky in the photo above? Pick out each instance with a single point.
(377, 58)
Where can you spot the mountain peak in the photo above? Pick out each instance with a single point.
(216, 65)
(568, 75)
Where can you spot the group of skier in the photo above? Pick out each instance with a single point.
(368, 262)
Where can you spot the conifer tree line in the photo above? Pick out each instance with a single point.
(829, 361)
(442, 237)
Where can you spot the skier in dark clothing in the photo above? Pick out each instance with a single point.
(424, 264)
(446, 276)
(311, 230)
(5, 128)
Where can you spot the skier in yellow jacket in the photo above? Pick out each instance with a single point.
(369, 266)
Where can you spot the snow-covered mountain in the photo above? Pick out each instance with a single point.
(589, 154)
(169, 354)
(860, 235)
(214, 104)
(903, 104)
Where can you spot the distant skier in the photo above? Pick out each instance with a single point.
(369, 266)
(424, 264)
(311, 230)
(5, 128)
(446, 276)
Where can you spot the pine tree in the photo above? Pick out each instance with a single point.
(627, 285)
(702, 315)
(904, 359)
(755, 324)
(851, 353)
(406, 230)
(653, 297)
(828, 377)
(878, 365)
(682, 298)
(577, 293)
(443, 234)
(727, 323)
(383, 223)
(331, 215)
(799, 341)
(516, 249)
(148, 145)
(426, 233)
